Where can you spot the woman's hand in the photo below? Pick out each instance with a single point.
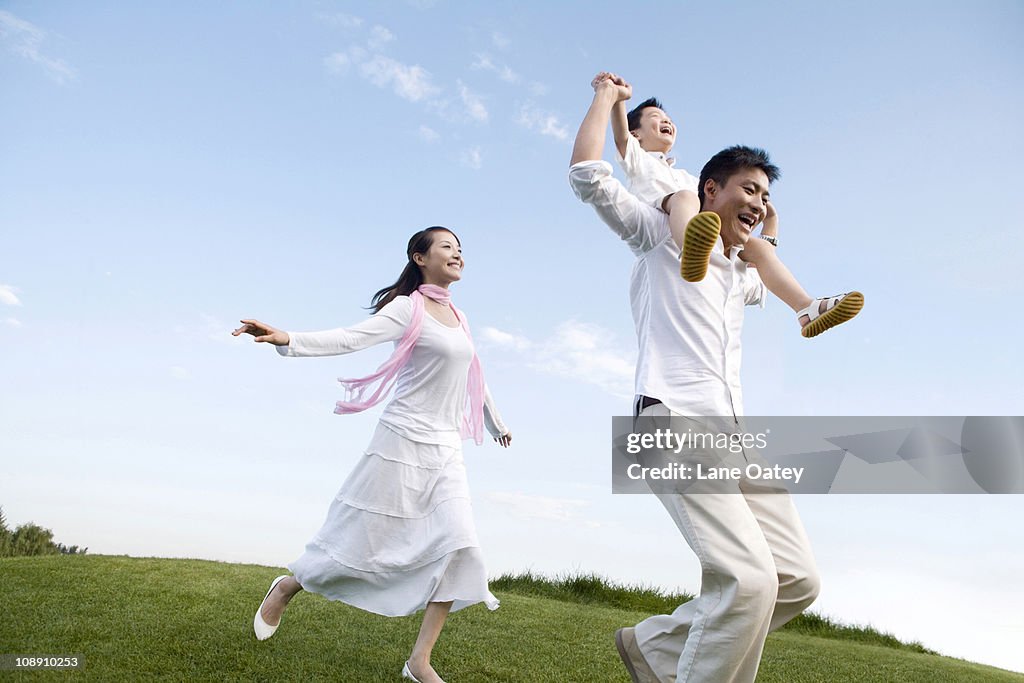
(262, 332)
(504, 441)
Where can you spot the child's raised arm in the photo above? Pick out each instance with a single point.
(620, 127)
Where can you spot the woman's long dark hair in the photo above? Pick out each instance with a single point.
(412, 276)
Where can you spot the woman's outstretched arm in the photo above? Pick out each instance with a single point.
(387, 325)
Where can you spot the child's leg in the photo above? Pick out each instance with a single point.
(775, 275)
(814, 315)
(694, 233)
(680, 207)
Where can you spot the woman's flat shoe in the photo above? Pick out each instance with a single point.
(263, 629)
(407, 674)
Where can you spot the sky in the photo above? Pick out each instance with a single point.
(169, 168)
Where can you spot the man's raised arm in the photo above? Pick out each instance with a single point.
(640, 226)
(608, 90)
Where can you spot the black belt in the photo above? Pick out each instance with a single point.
(647, 401)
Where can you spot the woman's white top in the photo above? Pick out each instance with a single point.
(430, 390)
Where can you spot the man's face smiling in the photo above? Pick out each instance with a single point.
(741, 203)
(656, 132)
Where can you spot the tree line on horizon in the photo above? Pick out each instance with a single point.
(31, 539)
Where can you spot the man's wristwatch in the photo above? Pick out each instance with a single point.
(774, 241)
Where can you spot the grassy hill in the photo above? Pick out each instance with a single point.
(190, 620)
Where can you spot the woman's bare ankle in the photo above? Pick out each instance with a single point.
(290, 587)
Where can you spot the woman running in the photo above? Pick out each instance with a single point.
(399, 536)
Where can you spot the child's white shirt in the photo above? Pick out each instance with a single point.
(652, 175)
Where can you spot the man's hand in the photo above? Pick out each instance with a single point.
(609, 92)
(770, 227)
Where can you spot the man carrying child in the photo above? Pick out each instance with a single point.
(643, 138)
(757, 568)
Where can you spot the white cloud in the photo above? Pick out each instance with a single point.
(410, 82)
(205, 328)
(342, 20)
(338, 62)
(530, 506)
(484, 63)
(508, 75)
(428, 134)
(413, 82)
(178, 372)
(379, 37)
(500, 40)
(471, 157)
(580, 351)
(533, 118)
(8, 296)
(506, 339)
(538, 89)
(577, 350)
(474, 105)
(216, 330)
(24, 39)
(13, 322)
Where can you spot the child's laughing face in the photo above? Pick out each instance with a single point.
(656, 131)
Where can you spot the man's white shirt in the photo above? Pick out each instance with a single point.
(688, 333)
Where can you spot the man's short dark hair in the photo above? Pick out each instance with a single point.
(633, 117)
(723, 165)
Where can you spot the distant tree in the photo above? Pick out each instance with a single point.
(71, 549)
(31, 539)
(5, 536)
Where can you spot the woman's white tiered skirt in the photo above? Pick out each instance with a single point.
(400, 533)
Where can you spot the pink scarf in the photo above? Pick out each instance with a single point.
(356, 400)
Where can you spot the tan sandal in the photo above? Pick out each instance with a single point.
(701, 234)
(838, 309)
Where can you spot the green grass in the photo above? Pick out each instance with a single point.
(594, 589)
(191, 620)
(590, 589)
